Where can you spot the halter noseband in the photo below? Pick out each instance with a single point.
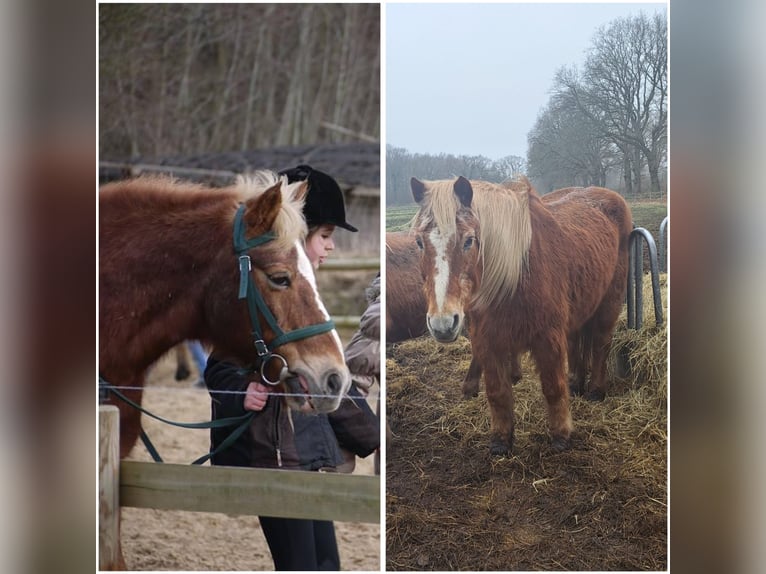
(256, 303)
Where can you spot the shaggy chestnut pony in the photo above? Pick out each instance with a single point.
(545, 277)
(406, 303)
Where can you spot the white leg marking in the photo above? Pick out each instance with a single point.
(441, 267)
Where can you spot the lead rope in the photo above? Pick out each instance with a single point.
(243, 421)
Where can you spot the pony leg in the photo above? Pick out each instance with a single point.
(470, 386)
(579, 353)
(550, 358)
(472, 379)
(516, 373)
(602, 329)
(130, 418)
(602, 343)
(500, 399)
(597, 387)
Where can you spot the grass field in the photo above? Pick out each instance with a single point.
(398, 217)
(647, 214)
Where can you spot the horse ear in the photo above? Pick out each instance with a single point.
(300, 192)
(418, 189)
(464, 191)
(262, 211)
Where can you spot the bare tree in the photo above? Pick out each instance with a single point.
(567, 148)
(193, 78)
(509, 166)
(623, 90)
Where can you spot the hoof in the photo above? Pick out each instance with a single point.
(560, 444)
(470, 388)
(499, 447)
(595, 395)
(575, 390)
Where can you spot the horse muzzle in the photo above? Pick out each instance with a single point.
(321, 394)
(445, 328)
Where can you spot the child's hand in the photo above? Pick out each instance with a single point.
(256, 397)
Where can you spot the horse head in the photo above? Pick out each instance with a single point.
(474, 238)
(448, 236)
(280, 324)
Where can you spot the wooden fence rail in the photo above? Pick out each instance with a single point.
(351, 264)
(250, 491)
(231, 490)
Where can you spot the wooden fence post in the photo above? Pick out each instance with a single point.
(108, 487)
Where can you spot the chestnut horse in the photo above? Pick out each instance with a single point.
(168, 271)
(406, 303)
(527, 275)
(405, 300)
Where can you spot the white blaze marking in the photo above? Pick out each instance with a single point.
(441, 267)
(307, 270)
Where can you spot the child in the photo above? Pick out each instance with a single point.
(307, 442)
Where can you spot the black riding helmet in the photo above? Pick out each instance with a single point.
(324, 200)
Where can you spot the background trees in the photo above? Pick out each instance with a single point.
(612, 113)
(604, 124)
(401, 165)
(191, 78)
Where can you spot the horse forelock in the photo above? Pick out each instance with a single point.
(504, 228)
(439, 209)
(289, 225)
(505, 238)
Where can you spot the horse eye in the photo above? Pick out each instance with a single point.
(468, 243)
(281, 280)
(419, 241)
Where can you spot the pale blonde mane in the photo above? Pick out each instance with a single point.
(505, 232)
(289, 225)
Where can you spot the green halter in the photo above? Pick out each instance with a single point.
(256, 303)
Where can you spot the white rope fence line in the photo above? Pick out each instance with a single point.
(224, 392)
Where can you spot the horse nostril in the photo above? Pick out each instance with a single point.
(334, 383)
(455, 320)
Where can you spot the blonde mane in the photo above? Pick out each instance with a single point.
(289, 225)
(505, 232)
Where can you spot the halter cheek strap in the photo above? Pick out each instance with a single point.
(256, 304)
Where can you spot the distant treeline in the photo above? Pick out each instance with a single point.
(401, 165)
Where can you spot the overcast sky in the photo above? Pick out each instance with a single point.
(470, 79)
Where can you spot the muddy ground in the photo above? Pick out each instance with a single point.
(451, 506)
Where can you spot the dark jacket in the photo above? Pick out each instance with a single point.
(363, 350)
(307, 442)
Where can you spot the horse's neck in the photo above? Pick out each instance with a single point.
(169, 275)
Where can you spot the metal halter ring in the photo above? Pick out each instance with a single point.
(282, 371)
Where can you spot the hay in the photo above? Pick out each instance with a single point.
(640, 357)
(598, 506)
